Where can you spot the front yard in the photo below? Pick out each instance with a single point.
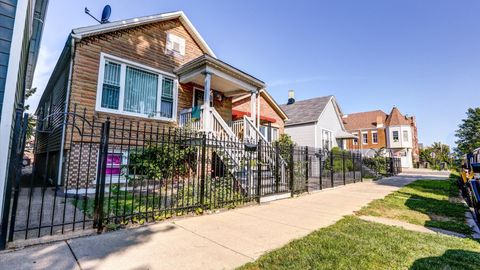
(427, 203)
(353, 243)
(356, 244)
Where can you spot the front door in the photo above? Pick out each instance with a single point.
(198, 97)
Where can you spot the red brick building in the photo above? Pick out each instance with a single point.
(270, 116)
(388, 134)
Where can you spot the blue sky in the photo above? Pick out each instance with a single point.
(422, 56)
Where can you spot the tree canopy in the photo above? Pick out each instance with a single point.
(468, 133)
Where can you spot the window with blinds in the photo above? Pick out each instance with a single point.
(167, 98)
(135, 90)
(141, 89)
(111, 85)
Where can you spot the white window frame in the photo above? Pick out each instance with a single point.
(373, 141)
(393, 136)
(363, 137)
(405, 132)
(330, 138)
(123, 68)
(169, 48)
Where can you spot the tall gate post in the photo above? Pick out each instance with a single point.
(343, 167)
(353, 165)
(332, 172)
(320, 169)
(259, 170)
(361, 167)
(101, 175)
(203, 170)
(291, 165)
(306, 168)
(277, 167)
(12, 170)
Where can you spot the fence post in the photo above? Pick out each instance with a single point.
(259, 170)
(343, 167)
(361, 167)
(306, 168)
(101, 175)
(203, 170)
(277, 167)
(332, 173)
(292, 151)
(320, 155)
(10, 178)
(354, 167)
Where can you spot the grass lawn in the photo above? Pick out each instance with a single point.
(424, 202)
(352, 243)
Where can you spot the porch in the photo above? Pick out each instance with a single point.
(212, 84)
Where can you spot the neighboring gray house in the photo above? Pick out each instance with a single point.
(315, 122)
(21, 27)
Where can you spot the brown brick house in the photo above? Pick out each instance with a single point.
(269, 114)
(369, 127)
(386, 134)
(148, 70)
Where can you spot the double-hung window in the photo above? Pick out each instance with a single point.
(405, 136)
(395, 136)
(365, 138)
(133, 89)
(374, 137)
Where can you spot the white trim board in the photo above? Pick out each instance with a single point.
(8, 109)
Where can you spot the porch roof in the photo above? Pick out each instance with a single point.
(238, 114)
(225, 78)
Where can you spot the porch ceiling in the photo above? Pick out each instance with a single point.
(225, 78)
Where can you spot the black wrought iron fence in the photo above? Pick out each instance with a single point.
(316, 168)
(382, 166)
(89, 173)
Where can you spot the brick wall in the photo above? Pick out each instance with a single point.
(265, 110)
(144, 45)
(382, 140)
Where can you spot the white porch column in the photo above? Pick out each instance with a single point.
(253, 107)
(258, 109)
(206, 102)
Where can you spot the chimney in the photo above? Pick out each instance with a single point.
(291, 97)
(379, 121)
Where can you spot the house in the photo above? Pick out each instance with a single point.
(21, 27)
(378, 133)
(315, 122)
(270, 116)
(154, 69)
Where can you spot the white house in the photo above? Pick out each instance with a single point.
(315, 122)
(401, 137)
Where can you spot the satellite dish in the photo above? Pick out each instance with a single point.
(107, 11)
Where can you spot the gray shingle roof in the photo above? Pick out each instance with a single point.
(305, 111)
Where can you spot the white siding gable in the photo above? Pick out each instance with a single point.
(303, 135)
(328, 120)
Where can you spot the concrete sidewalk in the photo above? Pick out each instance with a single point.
(219, 241)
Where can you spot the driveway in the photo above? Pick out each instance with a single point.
(219, 241)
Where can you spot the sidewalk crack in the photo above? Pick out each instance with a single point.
(215, 242)
(73, 254)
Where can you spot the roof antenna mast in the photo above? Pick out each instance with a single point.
(107, 11)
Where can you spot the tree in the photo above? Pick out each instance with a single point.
(468, 132)
(436, 154)
(32, 121)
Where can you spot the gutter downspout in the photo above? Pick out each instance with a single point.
(65, 112)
